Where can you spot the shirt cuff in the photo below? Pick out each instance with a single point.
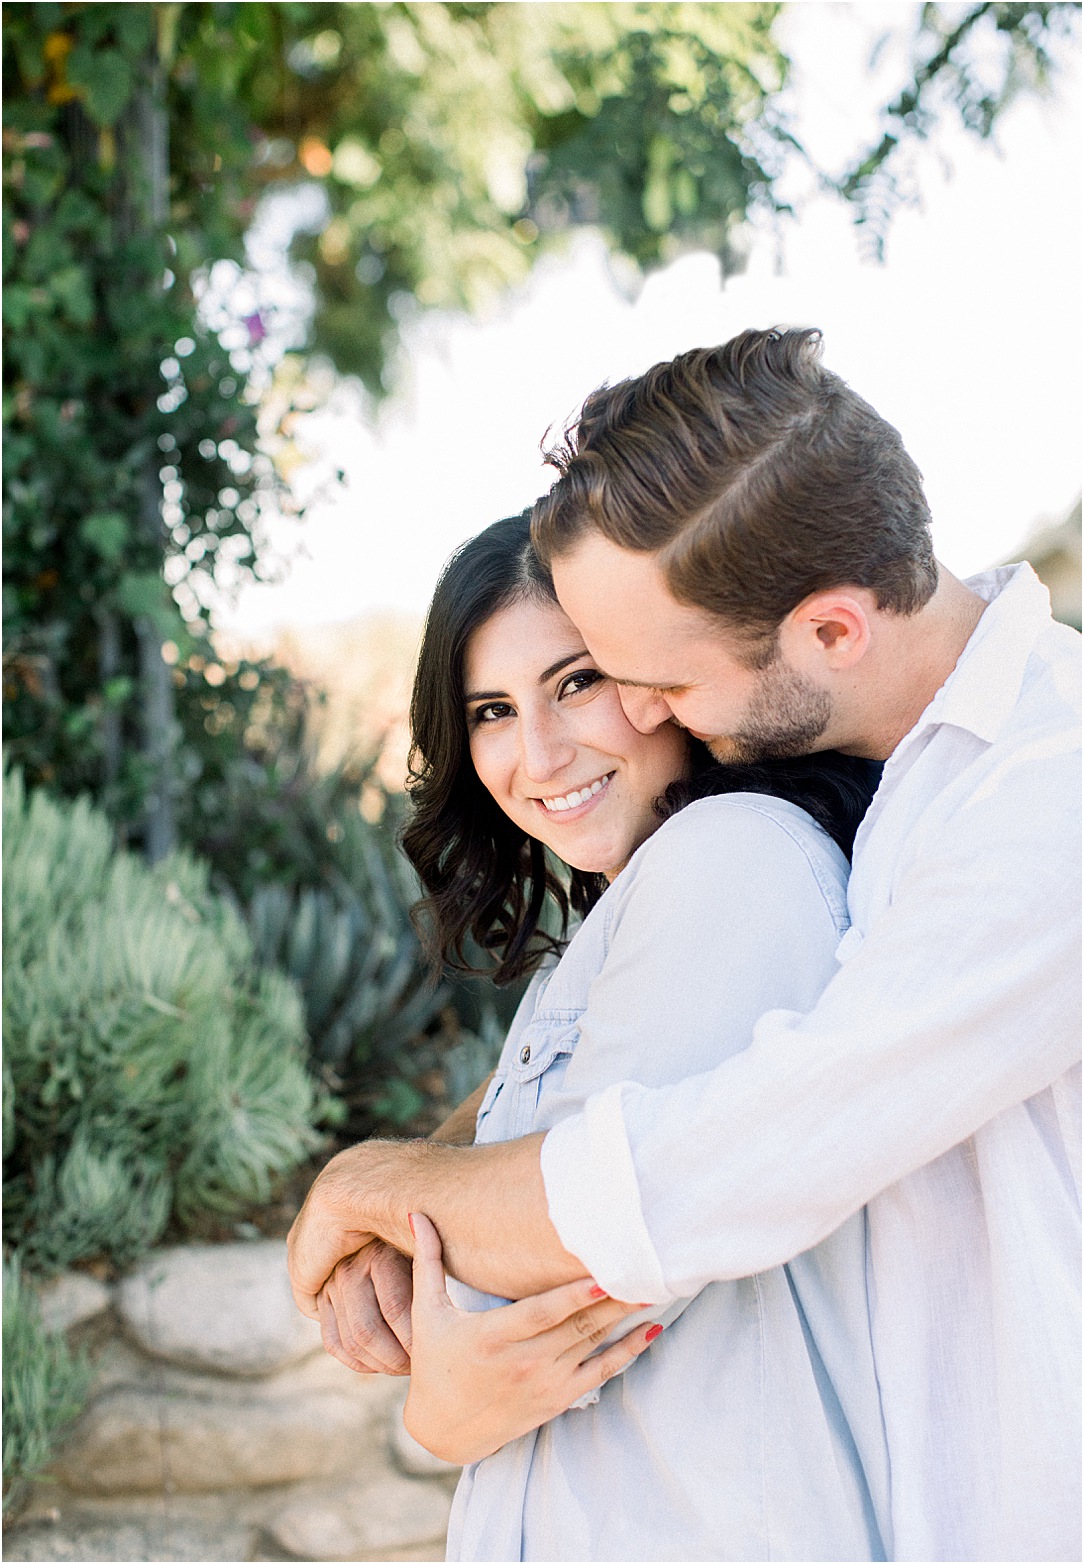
(594, 1200)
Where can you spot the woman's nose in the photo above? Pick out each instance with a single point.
(645, 708)
(544, 749)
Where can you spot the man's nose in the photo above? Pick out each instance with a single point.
(646, 709)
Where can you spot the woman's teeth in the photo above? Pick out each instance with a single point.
(571, 800)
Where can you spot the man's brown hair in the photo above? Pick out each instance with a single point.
(758, 476)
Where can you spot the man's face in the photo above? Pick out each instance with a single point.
(672, 660)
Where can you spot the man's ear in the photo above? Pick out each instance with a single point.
(829, 631)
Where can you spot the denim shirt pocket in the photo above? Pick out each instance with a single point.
(539, 1065)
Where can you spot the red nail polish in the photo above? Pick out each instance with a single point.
(656, 1330)
(597, 1291)
(410, 1219)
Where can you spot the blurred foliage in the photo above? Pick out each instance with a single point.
(45, 1385)
(151, 1069)
(333, 913)
(451, 140)
(350, 947)
(971, 61)
(137, 142)
(130, 439)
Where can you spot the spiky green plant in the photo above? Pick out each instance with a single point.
(45, 1386)
(153, 1067)
(352, 951)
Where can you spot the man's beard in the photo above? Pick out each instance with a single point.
(787, 717)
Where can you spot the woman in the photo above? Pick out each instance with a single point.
(750, 1429)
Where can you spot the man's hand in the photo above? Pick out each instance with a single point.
(364, 1306)
(365, 1311)
(481, 1379)
(490, 1202)
(329, 1227)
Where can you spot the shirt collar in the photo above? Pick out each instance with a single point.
(983, 688)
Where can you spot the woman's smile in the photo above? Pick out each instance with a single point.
(576, 798)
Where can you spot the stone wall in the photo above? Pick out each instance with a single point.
(218, 1429)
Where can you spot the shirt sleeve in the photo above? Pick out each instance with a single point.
(687, 972)
(961, 1000)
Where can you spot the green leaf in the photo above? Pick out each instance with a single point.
(106, 533)
(106, 79)
(143, 595)
(116, 691)
(18, 305)
(399, 1102)
(69, 288)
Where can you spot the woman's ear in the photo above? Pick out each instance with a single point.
(829, 631)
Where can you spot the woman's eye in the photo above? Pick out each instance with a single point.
(492, 711)
(582, 679)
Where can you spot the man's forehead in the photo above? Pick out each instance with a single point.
(620, 601)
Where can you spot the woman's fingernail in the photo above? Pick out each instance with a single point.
(597, 1291)
(410, 1219)
(656, 1330)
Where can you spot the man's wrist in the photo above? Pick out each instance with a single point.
(365, 1188)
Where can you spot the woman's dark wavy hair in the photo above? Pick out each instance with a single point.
(487, 882)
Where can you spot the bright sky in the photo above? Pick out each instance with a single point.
(968, 339)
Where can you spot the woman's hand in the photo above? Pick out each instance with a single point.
(364, 1310)
(481, 1379)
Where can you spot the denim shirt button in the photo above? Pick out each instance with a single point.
(525, 1054)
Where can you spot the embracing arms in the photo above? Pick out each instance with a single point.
(364, 1306)
(488, 1203)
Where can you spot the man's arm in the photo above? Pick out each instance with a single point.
(364, 1307)
(487, 1202)
(960, 1003)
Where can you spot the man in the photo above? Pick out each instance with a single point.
(744, 545)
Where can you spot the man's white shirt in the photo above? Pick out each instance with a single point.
(937, 1083)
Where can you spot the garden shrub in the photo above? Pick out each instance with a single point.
(154, 1069)
(350, 945)
(44, 1386)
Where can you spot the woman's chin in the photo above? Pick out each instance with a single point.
(605, 864)
(593, 863)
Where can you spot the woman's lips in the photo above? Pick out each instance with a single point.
(593, 791)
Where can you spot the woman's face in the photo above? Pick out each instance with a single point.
(550, 741)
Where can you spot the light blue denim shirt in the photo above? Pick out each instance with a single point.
(751, 1429)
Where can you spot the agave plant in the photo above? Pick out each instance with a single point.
(377, 1018)
(350, 948)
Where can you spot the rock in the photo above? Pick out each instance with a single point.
(413, 1457)
(351, 1520)
(225, 1307)
(72, 1298)
(143, 1441)
(120, 1365)
(147, 1537)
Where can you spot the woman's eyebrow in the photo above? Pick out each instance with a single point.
(562, 662)
(485, 695)
(554, 668)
